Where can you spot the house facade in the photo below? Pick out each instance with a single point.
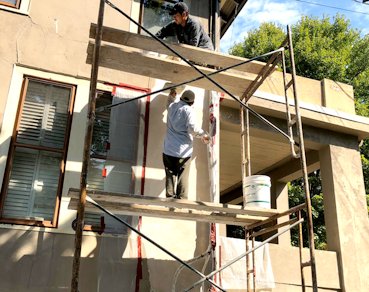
(43, 112)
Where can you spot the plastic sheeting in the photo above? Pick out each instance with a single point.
(234, 276)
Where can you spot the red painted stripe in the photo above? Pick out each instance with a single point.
(139, 246)
(220, 264)
(139, 258)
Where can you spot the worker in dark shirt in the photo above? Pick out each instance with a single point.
(187, 29)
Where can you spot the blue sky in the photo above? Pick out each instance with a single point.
(288, 12)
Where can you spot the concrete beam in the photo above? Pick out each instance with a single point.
(314, 137)
(291, 169)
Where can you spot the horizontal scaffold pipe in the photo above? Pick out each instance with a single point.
(198, 70)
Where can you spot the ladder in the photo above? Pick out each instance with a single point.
(246, 159)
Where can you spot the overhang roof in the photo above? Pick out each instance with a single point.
(229, 9)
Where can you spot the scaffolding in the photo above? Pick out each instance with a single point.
(250, 218)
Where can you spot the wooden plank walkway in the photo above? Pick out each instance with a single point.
(143, 55)
(191, 53)
(173, 208)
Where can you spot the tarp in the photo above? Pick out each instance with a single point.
(234, 276)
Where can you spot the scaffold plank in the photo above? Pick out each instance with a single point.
(150, 65)
(174, 209)
(195, 54)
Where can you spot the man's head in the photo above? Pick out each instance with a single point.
(180, 13)
(188, 97)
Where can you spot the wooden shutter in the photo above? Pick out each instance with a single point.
(33, 185)
(44, 115)
(34, 170)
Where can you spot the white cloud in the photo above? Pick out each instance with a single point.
(364, 31)
(256, 12)
(277, 12)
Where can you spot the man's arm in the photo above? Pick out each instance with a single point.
(171, 97)
(166, 31)
(195, 130)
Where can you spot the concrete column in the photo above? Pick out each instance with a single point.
(346, 217)
(279, 200)
(280, 191)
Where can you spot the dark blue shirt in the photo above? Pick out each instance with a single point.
(192, 33)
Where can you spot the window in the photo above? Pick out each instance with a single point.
(155, 14)
(35, 166)
(11, 3)
(115, 148)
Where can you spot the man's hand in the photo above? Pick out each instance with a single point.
(205, 139)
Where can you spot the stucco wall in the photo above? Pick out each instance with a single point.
(53, 39)
(107, 266)
(327, 93)
(41, 261)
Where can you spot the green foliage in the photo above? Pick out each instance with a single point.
(323, 48)
(268, 37)
(297, 196)
(365, 161)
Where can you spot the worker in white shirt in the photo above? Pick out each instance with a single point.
(181, 128)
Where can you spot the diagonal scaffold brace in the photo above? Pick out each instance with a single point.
(207, 278)
(256, 114)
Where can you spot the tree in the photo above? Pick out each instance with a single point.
(323, 48)
(297, 196)
(266, 38)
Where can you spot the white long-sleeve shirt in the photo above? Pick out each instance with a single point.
(181, 127)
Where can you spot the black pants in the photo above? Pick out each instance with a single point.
(176, 169)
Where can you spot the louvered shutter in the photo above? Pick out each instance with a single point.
(44, 115)
(33, 185)
(34, 175)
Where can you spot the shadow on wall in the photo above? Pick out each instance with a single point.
(37, 260)
(41, 261)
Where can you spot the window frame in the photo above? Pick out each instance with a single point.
(21, 7)
(13, 145)
(100, 229)
(15, 6)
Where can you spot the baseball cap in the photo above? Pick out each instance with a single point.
(188, 96)
(179, 7)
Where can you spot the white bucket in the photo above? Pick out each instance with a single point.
(256, 190)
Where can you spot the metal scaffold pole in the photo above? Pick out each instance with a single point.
(86, 150)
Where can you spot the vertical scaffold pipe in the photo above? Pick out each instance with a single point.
(86, 151)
